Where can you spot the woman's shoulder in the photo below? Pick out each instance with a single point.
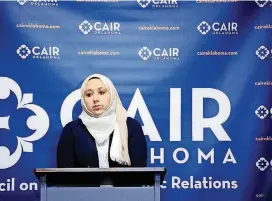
(72, 125)
(136, 135)
(133, 125)
(132, 122)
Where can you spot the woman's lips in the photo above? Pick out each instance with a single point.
(97, 107)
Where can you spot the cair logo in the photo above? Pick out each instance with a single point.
(39, 122)
(263, 52)
(100, 28)
(262, 112)
(218, 28)
(159, 53)
(262, 3)
(138, 103)
(38, 2)
(38, 52)
(262, 164)
(158, 3)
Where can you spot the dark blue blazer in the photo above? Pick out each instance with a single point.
(77, 148)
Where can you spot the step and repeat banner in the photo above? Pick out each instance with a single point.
(195, 74)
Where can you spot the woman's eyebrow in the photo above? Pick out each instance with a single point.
(97, 88)
(88, 90)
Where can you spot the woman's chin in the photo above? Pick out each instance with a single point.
(99, 112)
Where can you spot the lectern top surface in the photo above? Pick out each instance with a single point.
(127, 169)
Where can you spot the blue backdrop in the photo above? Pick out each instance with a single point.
(163, 56)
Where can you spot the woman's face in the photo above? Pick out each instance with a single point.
(96, 96)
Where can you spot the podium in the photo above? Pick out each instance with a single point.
(100, 184)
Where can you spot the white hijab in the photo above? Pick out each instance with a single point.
(113, 119)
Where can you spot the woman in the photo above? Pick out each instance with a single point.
(103, 136)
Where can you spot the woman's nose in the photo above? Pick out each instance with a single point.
(95, 97)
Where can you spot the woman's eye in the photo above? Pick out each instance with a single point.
(102, 92)
(89, 95)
